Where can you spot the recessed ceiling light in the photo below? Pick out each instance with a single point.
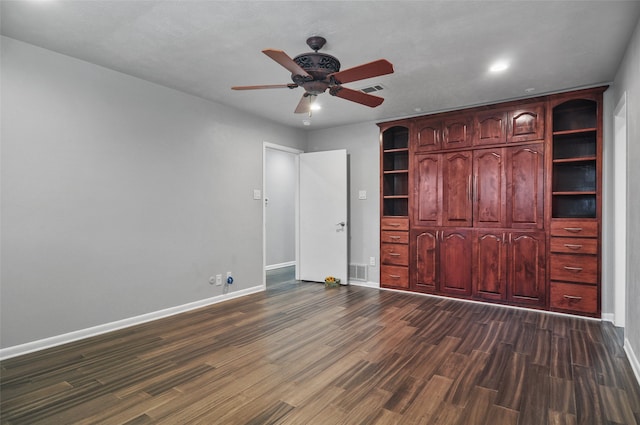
(417, 109)
(499, 66)
(529, 90)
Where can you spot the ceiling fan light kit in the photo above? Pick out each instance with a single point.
(316, 72)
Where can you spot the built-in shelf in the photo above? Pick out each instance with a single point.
(574, 172)
(395, 171)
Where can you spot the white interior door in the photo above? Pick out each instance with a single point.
(323, 215)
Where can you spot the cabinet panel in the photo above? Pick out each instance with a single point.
(427, 202)
(572, 297)
(490, 269)
(574, 268)
(490, 127)
(428, 135)
(526, 124)
(394, 276)
(394, 237)
(574, 228)
(456, 132)
(456, 189)
(490, 188)
(424, 260)
(455, 267)
(574, 245)
(525, 197)
(526, 276)
(394, 224)
(394, 254)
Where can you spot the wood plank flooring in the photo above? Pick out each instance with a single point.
(302, 354)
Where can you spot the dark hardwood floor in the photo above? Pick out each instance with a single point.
(302, 354)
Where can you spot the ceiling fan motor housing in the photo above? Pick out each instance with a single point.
(319, 66)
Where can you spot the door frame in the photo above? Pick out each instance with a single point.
(296, 152)
(620, 213)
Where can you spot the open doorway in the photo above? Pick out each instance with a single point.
(280, 213)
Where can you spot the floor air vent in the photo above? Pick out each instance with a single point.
(358, 272)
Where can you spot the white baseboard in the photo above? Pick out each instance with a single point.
(30, 347)
(280, 265)
(367, 284)
(608, 317)
(633, 359)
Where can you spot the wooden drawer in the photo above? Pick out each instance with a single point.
(394, 224)
(574, 245)
(394, 276)
(394, 237)
(569, 296)
(574, 228)
(395, 254)
(574, 268)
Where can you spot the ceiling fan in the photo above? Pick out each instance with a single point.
(317, 72)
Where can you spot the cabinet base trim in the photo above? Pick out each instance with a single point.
(514, 307)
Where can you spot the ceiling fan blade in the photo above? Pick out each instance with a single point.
(356, 96)
(268, 86)
(283, 59)
(361, 72)
(304, 106)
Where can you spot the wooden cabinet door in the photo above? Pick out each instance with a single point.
(525, 179)
(490, 127)
(455, 261)
(526, 268)
(457, 132)
(489, 188)
(526, 124)
(428, 135)
(490, 265)
(456, 189)
(424, 259)
(427, 198)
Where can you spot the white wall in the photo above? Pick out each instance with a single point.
(628, 80)
(363, 148)
(119, 197)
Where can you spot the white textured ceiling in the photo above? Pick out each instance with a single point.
(440, 50)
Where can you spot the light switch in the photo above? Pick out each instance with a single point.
(362, 194)
(257, 194)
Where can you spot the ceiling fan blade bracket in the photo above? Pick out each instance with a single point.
(301, 79)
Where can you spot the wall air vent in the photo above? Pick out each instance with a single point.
(358, 272)
(372, 89)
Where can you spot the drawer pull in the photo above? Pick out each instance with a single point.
(573, 246)
(573, 229)
(572, 298)
(394, 254)
(573, 269)
(394, 276)
(394, 224)
(395, 238)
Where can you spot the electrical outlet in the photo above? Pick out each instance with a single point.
(218, 279)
